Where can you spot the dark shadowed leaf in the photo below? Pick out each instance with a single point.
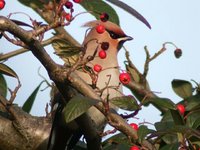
(163, 102)
(33, 4)
(125, 102)
(98, 6)
(3, 86)
(185, 130)
(193, 102)
(193, 119)
(130, 10)
(20, 23)
(170, 138)
(182, 88)
(162, 126)
(118, 141)
(143, 131)
(80, 146)
(4, 69)
(29, 102)
(169, 132)
(162, 130)
(77, 106)
(167, 116)
(174, 146)
(178, 119)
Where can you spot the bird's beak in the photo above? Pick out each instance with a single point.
(126, 38)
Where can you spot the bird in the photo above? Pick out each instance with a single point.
(108, 78)
(105, 81)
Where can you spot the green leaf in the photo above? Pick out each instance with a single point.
(162, 130)
(193, 119)
(118, 141)
(125, 102)
(185, 130)
(131, 11)
(98, 6)
(80, 146)
(170, 138)
(4, 69)
(117, 146)
(178, 119)
(168, 131)
(143, 131)
(29, 102)
(3, 86)
(167, 116)
(164, 125)
(77, 106)
(193, 102)
(66, 51)
(134, 73)
(33, 4)
(182, 88)
(163, 102)
(174, 146)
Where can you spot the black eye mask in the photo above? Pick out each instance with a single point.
(113, 35)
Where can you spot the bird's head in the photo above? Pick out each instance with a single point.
(113, 34)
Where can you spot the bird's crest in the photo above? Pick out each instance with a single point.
(108, 25)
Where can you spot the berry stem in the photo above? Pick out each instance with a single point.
(169, 43)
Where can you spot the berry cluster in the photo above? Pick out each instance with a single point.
(69, 5)
(2, 4)
(104, 45)
(100, 29)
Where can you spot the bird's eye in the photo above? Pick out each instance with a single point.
(113, 35)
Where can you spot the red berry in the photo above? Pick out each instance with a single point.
(77, 1)
(134, 148)
(124, 78)
(104, 17)
(134, 126)
(178, 53)
(97, 68)
(102, 54)
(2, 4)
(104, 45)
(68, 17)
(69, 4)
(100, 29)
(181, 108)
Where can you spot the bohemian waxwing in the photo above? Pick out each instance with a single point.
(107, 80)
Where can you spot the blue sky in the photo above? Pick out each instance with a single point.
(174, 21)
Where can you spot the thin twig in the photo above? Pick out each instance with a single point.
(149, 58)
(14, 93)
(23, 50)
(109, 132)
